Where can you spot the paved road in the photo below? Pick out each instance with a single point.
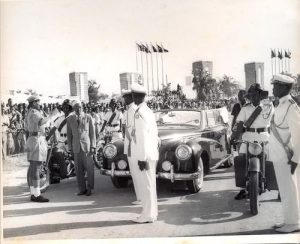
(107, 213)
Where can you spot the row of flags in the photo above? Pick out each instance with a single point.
(151, 48)
(280, 55)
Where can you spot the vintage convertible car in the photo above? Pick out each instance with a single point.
(193, 142)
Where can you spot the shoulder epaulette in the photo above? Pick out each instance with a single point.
(246, 104)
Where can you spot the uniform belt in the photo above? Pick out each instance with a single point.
(258, 130)
(35, 133)
(63, 134)
(115, 125)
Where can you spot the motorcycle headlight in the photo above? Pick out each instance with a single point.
(183, 152)
(255, 149)
(110, 151)
(122, 164)
(166, 166)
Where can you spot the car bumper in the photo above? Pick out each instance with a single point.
(160, 175)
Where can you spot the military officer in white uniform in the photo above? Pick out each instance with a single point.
(259, 130)
(284, 150)
(128, 119)
(144, 153)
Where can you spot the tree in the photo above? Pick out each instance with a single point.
(228, 86)
(93, 91)
(204, 85)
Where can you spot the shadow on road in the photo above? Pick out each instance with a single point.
(52, 228)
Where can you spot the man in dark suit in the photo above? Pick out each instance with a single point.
(82, 142)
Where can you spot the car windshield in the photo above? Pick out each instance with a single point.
(178, 117)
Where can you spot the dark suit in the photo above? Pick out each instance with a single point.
(81, 138)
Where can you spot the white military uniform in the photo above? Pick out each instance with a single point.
(134, 168)
(115, 128)
(262, 121)
(287, 122)
(144, 147)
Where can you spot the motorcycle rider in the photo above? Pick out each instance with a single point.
(59, 130)
(113, 120)
(253, 122)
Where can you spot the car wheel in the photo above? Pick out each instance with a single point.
(195, 185)
(120, 182)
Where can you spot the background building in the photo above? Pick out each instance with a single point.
(254, 73)
(127, 78)
(200, 66)
(79, 85)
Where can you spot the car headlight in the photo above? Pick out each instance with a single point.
(122, 164)
(255, 149)
(183, 152)
(166, 165)
(110, 151)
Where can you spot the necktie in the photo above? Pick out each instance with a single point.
(78, 120)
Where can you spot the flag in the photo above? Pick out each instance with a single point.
(273, 54)
(147, 49)
(160, 50)
(139, 47)
(154, 49)
(165, 50)
(287, 54)
(279, 55)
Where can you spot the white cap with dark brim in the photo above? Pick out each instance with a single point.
(126, 92)
(137, 88)
(283, 79)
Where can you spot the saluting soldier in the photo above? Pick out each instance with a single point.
(284, 148)
(128, 125)
(254, 121)
(36, 145)
(144, 153)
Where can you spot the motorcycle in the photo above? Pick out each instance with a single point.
(56, 174)
(254, 173)
(51, 174)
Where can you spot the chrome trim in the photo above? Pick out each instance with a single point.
(161, 175)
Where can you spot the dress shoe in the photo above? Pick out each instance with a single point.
(288, 228)
(137, 202)
(278, 225)
(142, 220)
(39, 198)
(82, 193)
(88, 192)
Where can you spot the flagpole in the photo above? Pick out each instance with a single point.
(162, 64)
(142, 66)
(147, 72)
(289, 60)
(152, 71)
(272, 62)
(281, 61)
(136, 58)
(275, 61)
(157, 70)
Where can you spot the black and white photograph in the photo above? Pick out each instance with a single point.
(166, 121)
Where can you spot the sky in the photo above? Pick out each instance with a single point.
(42, 41)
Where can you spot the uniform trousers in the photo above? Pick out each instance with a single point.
(147, 185)
(134, 168)
(288, 188)
(84, 163)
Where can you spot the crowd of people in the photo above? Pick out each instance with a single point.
(13, 115)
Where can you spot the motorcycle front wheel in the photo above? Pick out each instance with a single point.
(253, 192)
(98, 158)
